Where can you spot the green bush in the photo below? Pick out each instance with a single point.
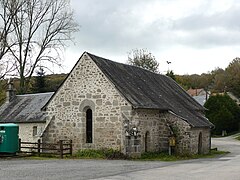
(100, 154)
(90, 153)
(223, 112)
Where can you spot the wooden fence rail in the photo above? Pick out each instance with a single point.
(63, 147)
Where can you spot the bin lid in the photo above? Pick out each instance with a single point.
(9, 125)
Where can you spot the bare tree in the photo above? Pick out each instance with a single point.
(8, 9)
(142, 58)
(40, 31)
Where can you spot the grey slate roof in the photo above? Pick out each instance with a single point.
(24, 108)
(200, 99)
(148, 90)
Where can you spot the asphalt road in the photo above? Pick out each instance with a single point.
(221, 168)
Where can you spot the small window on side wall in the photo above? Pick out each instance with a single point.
(34, 130)
(89, 126)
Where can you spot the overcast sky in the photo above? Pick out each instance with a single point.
(195, 35)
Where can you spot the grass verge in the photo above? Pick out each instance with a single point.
(42, 157)
(100, 154)
(150, 156)
(238, 137)
(153, 156)
(114, 154)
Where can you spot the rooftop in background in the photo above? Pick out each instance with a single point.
(201, 99)
(24, 108)
(196, 92)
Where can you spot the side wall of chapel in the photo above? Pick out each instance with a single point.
(156, 127)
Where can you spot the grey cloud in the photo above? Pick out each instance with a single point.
(207, 39)
(203, 30)
(227, 20)
(116, 26)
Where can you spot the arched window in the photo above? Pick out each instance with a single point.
(89, 126)
(147, 141)
(200, 143)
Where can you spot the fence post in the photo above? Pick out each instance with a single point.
(70, 150)
(19, 145)
(39, 147)
(61, 148)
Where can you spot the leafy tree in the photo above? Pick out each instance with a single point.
(233, 77)
(215, 81)
(54, 81)
(189, 81)
(223, 112)
(40, 29)
(51, 84)
(3, 86)
(39, 85)
(205, 80)
(171, 75)
(142, 58)
(219, 80)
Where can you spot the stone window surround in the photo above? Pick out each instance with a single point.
(35, 130)
(84, 106)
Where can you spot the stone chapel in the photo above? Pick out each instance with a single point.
(105, 104)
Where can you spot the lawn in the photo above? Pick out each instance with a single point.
(166, 157)
(238, 137)
(113, 154)
(150, 156)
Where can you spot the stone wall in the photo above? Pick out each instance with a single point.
(187, 138)
(87, 87)
(26, 131)
(206, 140)
(153, 130)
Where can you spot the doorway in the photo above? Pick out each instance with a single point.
(147, 141)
